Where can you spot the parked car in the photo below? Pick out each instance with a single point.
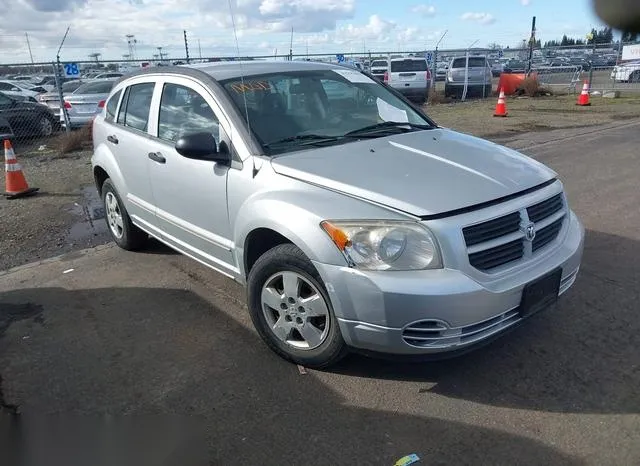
(379, 68)
(353, 224)
(25, 118)
(18, 88)
(628, 72)
(86, 102)
(52, 99)
(110, 75)
(515, 66)
(497, 68)
(478, 77)
(409, 76)
(441, 71)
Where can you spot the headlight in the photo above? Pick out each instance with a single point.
(385, 245)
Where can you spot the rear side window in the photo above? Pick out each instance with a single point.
(136, 104)
(408, 65)
(474, 62)
(112, 106)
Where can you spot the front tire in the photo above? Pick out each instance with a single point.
(291, 310)
(123, 232)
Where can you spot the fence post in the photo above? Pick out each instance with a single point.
(58, 76)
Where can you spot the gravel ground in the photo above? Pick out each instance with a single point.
(54, 221)
(66, 213)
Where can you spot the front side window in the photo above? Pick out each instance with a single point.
(288, 111)
(134, 111)
(183, 111)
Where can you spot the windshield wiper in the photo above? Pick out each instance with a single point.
(385, 127)
(304, 140)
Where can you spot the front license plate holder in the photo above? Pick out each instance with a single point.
(540, 294)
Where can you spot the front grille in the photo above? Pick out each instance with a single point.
(436, 334)
(545, 209)
(547, 234)
(497, 256)
(501, 241)
(492, 229)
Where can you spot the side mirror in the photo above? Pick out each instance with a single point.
(201, 146)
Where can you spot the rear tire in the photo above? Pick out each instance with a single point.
(123, 232)
(634, 77)
(45, 126)
(285, 315)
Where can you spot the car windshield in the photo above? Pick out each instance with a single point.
(401, 66)
(288, 110)
(474, 62)
(103, 87)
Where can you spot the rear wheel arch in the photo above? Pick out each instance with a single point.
(100, 175)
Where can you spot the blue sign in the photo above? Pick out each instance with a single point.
(500, 53)
(340, 58)
(429, 56)
(71, 70)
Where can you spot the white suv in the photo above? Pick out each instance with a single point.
(410, 76)
(627, 72)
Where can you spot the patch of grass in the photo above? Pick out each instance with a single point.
(75, 140)
(437, 97)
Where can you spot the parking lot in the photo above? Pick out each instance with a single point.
(102, 331)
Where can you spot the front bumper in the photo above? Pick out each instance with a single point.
(383, 312)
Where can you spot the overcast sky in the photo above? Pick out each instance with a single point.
(324, 26)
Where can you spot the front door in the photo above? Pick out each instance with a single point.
(190, 195)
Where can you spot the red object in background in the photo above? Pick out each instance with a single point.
(509, 83)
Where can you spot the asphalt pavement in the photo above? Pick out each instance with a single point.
(157, 347)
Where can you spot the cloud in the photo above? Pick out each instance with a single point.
(482, 18)
(424, 10)
(54, 5)
(525, 2)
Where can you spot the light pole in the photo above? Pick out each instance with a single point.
(435, 61)
(466, 71)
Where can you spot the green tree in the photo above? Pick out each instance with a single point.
(629, 36)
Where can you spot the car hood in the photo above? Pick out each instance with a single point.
(422, 173)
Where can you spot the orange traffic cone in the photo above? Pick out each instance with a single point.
(16, 184)
(583, 98)
(501, 106)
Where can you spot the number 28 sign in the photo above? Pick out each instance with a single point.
(71, 70)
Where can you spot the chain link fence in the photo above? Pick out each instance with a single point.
(39, 101)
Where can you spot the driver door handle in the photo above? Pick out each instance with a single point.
(112, 139)
(157, 157)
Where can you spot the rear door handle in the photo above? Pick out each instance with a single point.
(157, 157)
(112, 139)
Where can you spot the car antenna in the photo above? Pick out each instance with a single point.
(244, 95)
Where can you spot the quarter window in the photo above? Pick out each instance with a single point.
(112, 106)
(183, 111)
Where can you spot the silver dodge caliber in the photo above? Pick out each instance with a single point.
(354, 221)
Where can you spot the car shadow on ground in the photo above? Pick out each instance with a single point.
(163, 354)
(579, 356)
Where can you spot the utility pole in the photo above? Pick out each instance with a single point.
(65, 114)
(466, 72)
(199, 50)
(160, 52)
(26, 34)
(291, 47)
(593, 52)
(186, 45)
(532, 43)
(435, 61)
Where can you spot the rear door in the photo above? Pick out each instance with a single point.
(410, 73)
(128, 140)
(190, 195)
